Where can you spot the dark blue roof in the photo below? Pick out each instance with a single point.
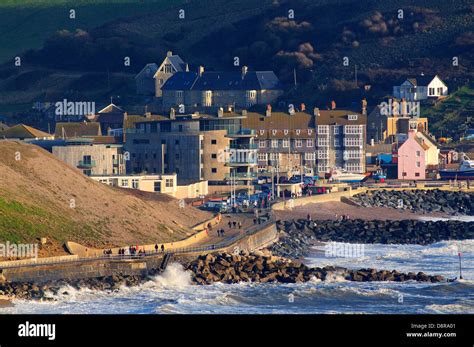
(227, 80)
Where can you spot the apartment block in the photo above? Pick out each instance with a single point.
(92, 158)
(340, 141)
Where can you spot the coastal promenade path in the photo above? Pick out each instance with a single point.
(213, 244)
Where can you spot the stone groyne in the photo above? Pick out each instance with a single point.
(235, 268)
(419, 200)
(296, 236)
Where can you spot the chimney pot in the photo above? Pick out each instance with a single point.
(316, 112)
(201, 70)
(269, 110)
(169, 53)
(244, 71)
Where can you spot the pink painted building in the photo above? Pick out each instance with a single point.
(412, 158)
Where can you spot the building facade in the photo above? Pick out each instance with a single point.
(421, 88)
(229, 89)
(412, 158)
(90, 158)
(340, 141)
(285, 142)
(195, 146)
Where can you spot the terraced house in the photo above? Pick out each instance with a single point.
(285, 141)
(227, 89)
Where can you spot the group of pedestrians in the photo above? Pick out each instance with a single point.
(234, 224)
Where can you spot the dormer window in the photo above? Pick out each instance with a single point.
(352, 117)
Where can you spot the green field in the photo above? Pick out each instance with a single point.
(25, 24)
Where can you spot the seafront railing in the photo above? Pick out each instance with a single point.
(139, 256)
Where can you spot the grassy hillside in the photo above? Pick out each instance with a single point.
(88, 63)
(26, 24)
(41, 196)
(452, 116)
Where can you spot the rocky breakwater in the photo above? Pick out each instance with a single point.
(235, 268)
(424, 201)
(47, 291)
(296, 236)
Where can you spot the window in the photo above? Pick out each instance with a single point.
(213, 142)
(309, 143)
(274, 143)
(261, 144)
(336, 130)
(323, 142)
(440, 91)
(135, 183)
(298, 143)
(431, 91)
(286, 143)
(352, 154)
(337, 143)
(322, 154)
(179, 94)
(310, 156)
(352, 129)
(169, 183)
(418, 164)
(214, 156)
(157, 186)
(214, 170)
(417, 174)
(352, 142)
(262, 156)
(352, 117)
(418, 153)
(207, 98)
(124, 183)
(323, 129)
(274, 156)
(176, 142)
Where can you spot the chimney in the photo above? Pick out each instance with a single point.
(364, 106)
(316, 112)
(220, 112)
(172, 113)
(269, 110)
(201, 70)
(244, 71)
(303, 107)
(333, 105)
(244, 112)
(403, 107)
(169, 53)
(187, 67)
(147, 115)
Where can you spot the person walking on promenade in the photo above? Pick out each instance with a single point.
(156, 248)
(240, 225)
(162, 248)
(308, 217)
(230, 224)
(235, 224)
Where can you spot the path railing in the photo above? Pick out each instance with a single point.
(138, 256)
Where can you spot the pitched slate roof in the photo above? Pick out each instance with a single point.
(422, 80)
(223, 80)
(77, 129)
(22, 131)
(340, 117)
(149, 70)
(177, 62)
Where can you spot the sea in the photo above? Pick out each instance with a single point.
(173, 293)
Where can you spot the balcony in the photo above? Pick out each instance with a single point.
(86, 164)
(242, 133)
(242, 176)
(244, 146)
